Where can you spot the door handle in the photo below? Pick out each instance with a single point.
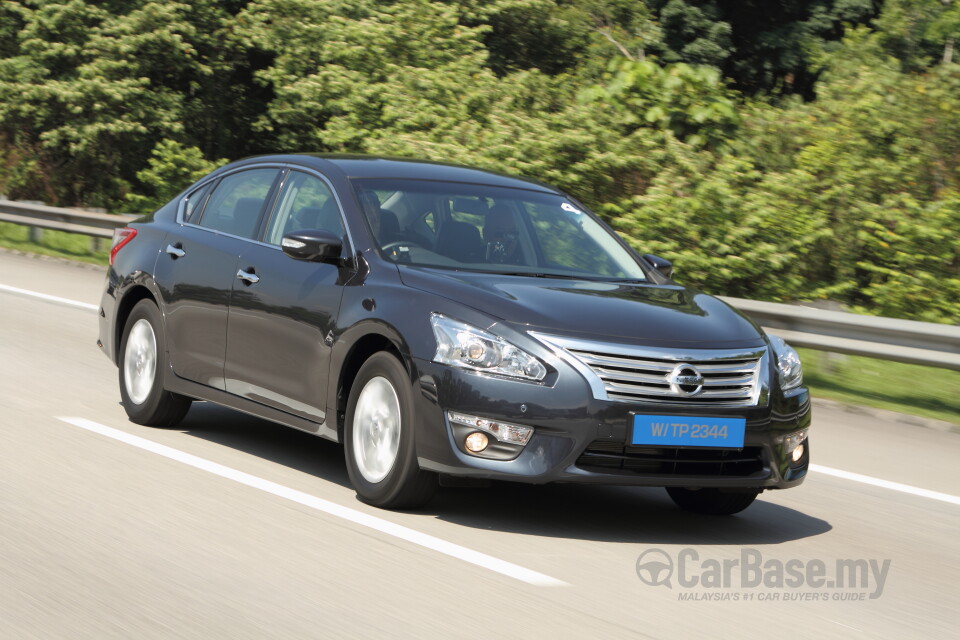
(175, 251)
(248, 277)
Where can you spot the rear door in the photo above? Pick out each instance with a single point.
(283, 312)
(198, 266)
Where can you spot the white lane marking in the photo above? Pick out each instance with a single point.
(49, 298)
(357, 517)
(847, 626)
(886, 484)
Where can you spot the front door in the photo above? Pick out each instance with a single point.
(283, 311)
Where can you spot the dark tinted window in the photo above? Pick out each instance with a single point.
(234, 206)
(564, 244)
(193, 204)
(305, 202)
(494, 229)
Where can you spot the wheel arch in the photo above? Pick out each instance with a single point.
(129, 300)
(359, 352)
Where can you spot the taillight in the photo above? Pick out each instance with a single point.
(121, 237)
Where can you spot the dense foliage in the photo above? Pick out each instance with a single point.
(773, 149)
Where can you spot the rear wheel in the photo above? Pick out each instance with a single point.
(379, 438)
(714, 502)
(143, 358)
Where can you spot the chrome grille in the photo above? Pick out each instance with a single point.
(703, 377)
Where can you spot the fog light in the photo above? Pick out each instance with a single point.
(476, 442)
(502, 431)
(798, 453)
(793, 445)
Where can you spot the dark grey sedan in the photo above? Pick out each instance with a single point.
(441, 320)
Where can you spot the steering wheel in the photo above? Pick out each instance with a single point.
(396, 244)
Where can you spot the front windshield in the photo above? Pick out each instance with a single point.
(491, 229)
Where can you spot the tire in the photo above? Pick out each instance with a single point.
(713, 502)
(379, 438)
(143, 359)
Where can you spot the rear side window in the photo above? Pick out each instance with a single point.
(470, 210)
(193, 204)
(235, 205)
(305, 202)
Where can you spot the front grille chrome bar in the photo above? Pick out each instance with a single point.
(655, 375)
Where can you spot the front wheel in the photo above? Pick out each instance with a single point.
(143, 357)
(379, 438)
(714, 502)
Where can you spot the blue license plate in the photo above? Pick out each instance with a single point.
(684, 431)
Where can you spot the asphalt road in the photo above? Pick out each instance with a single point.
(232, 527)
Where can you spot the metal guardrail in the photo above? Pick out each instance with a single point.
(41, 216)
(925, 343)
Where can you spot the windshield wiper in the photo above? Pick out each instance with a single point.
(528, 274)
(566, 276)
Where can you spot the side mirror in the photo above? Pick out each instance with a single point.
(312, 245)
(664, 266)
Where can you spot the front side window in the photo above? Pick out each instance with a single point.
(305, 202)
(235, 205)
(498, 230)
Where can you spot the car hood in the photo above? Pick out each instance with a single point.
(641, 313)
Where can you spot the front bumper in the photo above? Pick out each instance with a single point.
(581, 439)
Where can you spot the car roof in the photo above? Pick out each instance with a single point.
(361, 166)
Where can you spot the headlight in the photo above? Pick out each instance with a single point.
(462, 345)
(789, 369)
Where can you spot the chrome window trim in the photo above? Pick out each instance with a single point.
(760, 393)
(181, 206)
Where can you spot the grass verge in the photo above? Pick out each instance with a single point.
(906, 388)
(54, 243)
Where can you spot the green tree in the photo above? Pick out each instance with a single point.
(852, 196)
(562, 37)
(87, 93)
(172, 167)
(920, 33)
(344, 69)
(530, 34)
(690, 101)
(912, 269)
(761, 44)
(708, 214)
(696, 33)
(363, 77)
